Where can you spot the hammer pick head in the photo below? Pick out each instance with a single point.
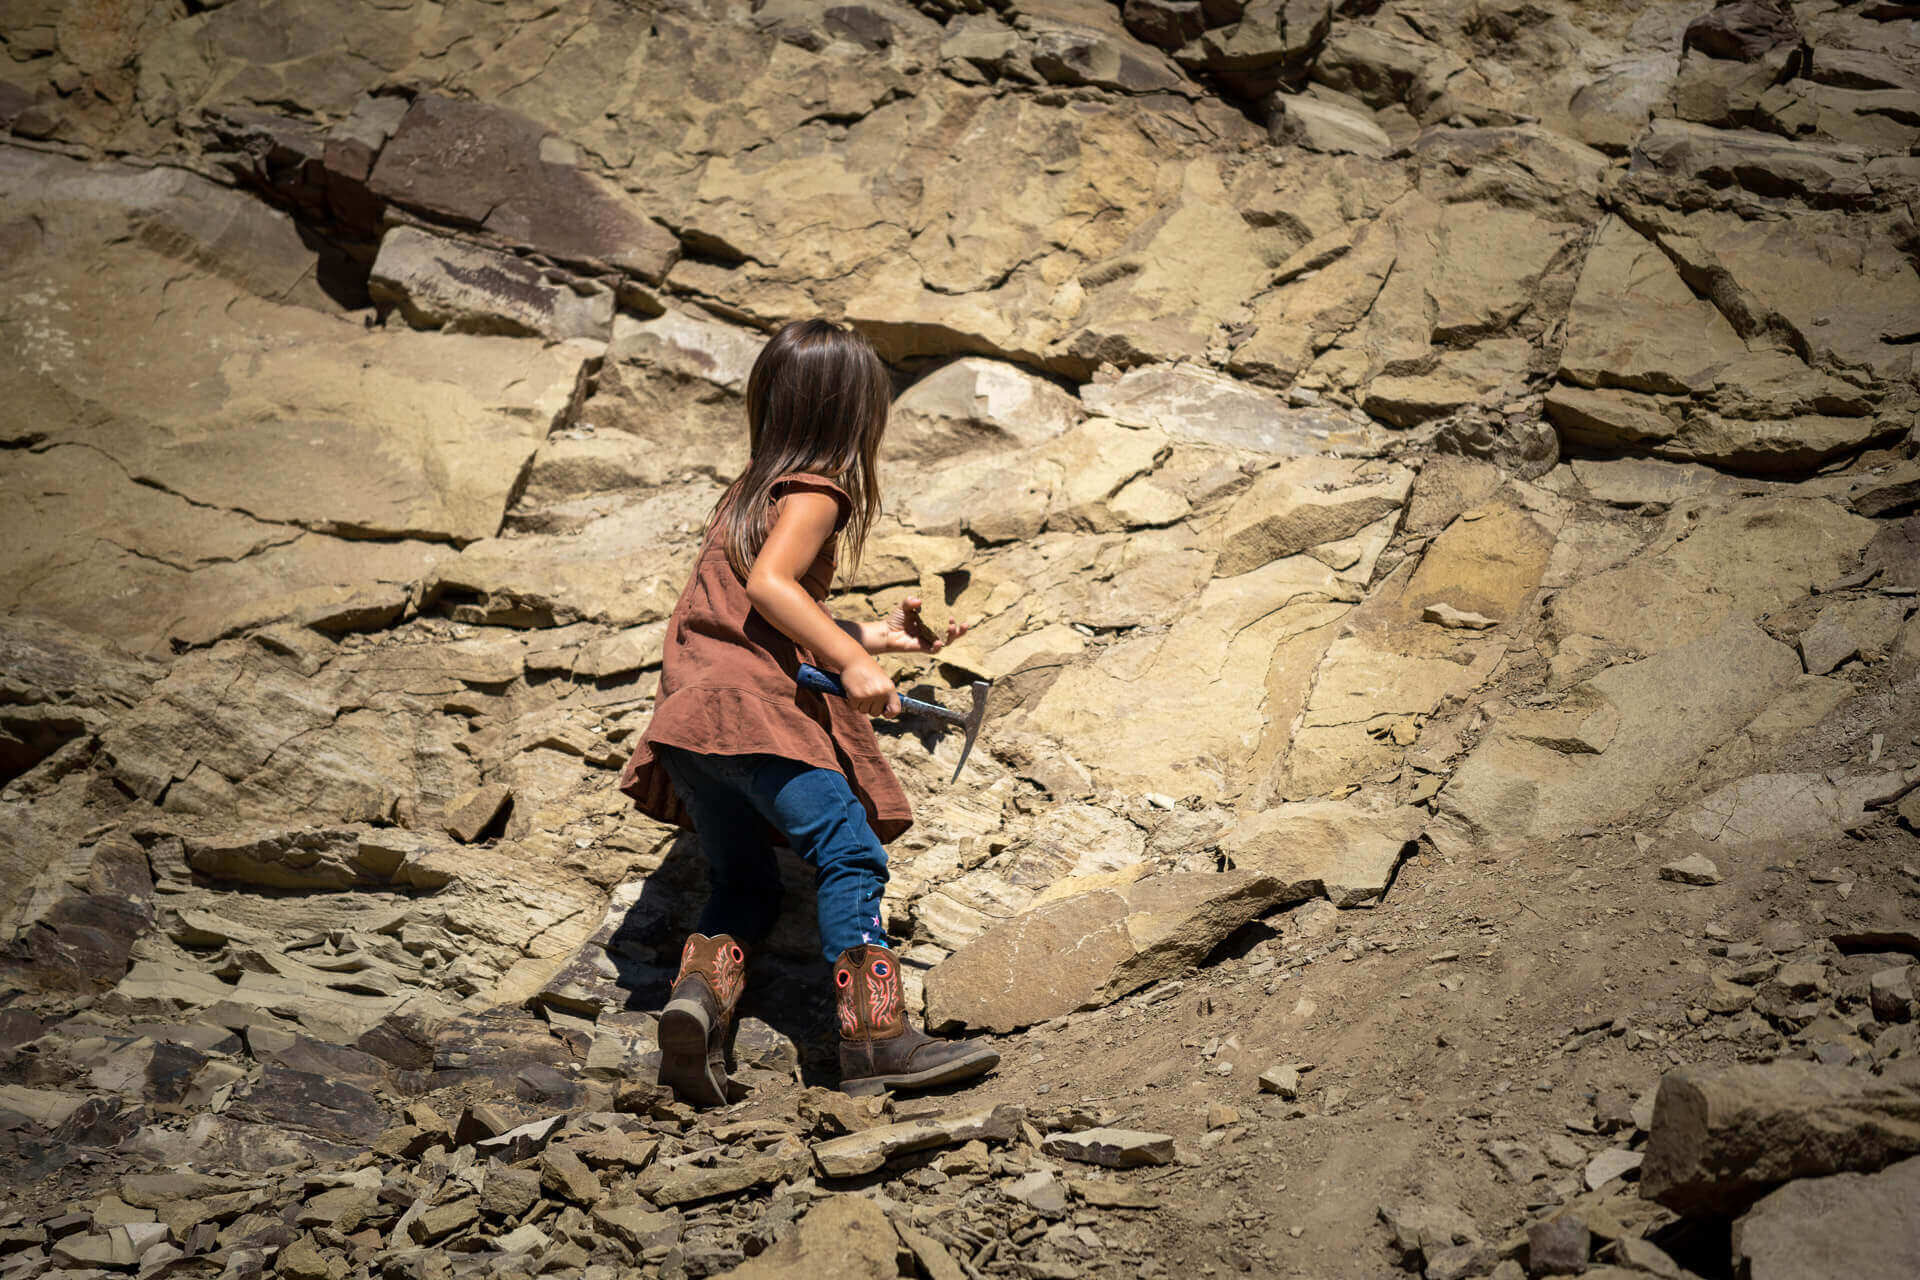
(979, 690)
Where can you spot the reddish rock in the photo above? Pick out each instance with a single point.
(486, 166)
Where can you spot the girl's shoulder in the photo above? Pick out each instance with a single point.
(812, 482)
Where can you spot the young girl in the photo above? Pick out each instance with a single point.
(737, 751)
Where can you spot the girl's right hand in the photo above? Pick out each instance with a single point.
(869, 690)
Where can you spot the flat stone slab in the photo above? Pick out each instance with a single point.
(1112, 1148)
(1723, 1138)
(863, 1152)
(1692, 869)
(1081, 951)
(1862, 1226)
(1325, 849)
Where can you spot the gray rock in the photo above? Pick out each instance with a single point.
(637, 1226)
(1891, 993)
(485, 165)
(1520, 1162)
(1558, 1246)
(508, 1192)
(1695, 868)
(441, 283)
(1722, 1138)
(1424, 1229)
(1081, 951)
(1197, 404)
(1457, 1261)
(1862, 1226)
(1616, 1162)
(1644, 1255)
(1282, 1080)
(1113, 1148)
(1742, 30)
(1039, 1191)
(1850, 629)
(869, 1149)
(671, 1187)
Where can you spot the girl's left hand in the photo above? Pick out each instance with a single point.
(904, 631)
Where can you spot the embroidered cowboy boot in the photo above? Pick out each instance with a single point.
(878, 1048)
(696, 1025)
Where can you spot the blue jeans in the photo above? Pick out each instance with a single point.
(823, 822)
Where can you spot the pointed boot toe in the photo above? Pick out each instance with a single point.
(879, 1048)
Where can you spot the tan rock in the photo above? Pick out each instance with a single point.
(973, 404)
(842, 1236)
(1194, 403)
(869, 1149)
(1389, 665)
(1740, 557)
(1304, 503)
(1672, 709)
(1721, 1138)
(1324, 849)
(1447, 616)
(587, 573)
(474, 811)
(1304, 121)
(1082, 951)
(1159, 296)
(453, 418)
(1224, 653)
(1766, 275)
(689, 345)
(436, 282)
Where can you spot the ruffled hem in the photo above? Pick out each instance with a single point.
(735, 722)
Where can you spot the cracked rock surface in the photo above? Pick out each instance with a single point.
(1418, 473)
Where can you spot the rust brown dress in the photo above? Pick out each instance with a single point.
(727, 688)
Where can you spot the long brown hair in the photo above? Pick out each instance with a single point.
(817, 400)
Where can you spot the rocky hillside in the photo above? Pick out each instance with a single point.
(1436, 487)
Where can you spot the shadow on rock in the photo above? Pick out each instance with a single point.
(620, 977)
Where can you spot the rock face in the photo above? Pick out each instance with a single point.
(1092, 947)
(1370, 443)
(1721, 1139)
(1854, 1224)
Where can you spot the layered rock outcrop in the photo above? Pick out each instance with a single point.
(1354, 431)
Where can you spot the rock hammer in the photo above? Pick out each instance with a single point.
(812, 677)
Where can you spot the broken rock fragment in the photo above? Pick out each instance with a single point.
(846, 1237)
(1113, 1148)
(1082, 951)
(1862, 1226)
(1693, 869)
(1455, 619)
(472, 813)
(867, 1150)
(1723, 1138)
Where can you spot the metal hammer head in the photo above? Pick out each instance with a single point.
(972, 723)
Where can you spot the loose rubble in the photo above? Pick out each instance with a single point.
(1435, 490)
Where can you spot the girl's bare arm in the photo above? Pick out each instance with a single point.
(902, 631)
(803, 526)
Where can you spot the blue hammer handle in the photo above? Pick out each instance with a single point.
(812, 677)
